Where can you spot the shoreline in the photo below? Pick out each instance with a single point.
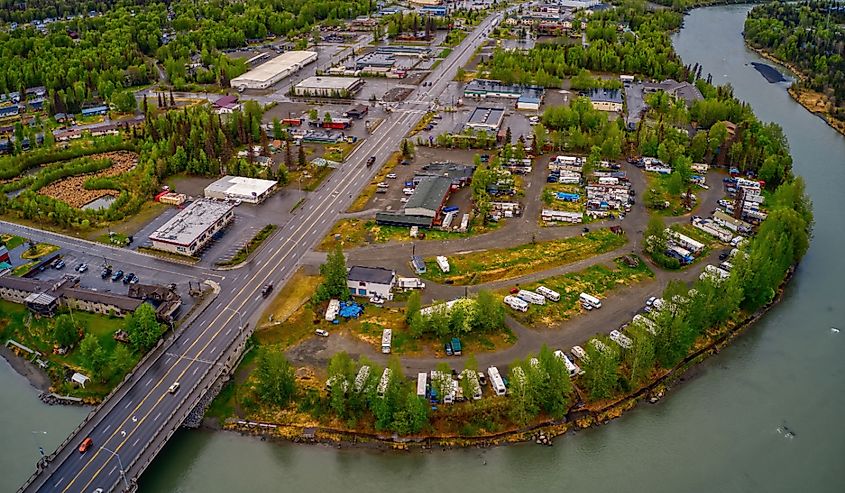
(36, 377)
(540, 432)
(797, 93)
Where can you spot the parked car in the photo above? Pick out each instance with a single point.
(105, 273)
(392, 176)
(59, 264)
(322, 332)
(117, 276)
(82, 267)
(128, 278)
(448, 348)
(482, 378)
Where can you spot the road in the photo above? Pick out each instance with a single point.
(131, 427)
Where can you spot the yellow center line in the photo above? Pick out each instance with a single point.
(329, 196)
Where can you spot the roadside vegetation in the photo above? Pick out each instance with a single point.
(508, 263)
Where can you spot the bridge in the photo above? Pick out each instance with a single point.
(137, 419)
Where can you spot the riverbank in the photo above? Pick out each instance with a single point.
(577, 418)
(812, 101)
(37, 377)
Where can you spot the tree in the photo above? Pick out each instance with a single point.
(592, 162)
(334, 274)
(640, 357)
(441, 381)
(412, 307)
(143, 328)
(407, 148)
(675, 184)
(655, 237)
(523, 399)
(121, 360)
(489, 314)
(65, 331)
(93, 357)
(301, 157)
(555, 385)
(601, 377)
(276, 383)
(277, 129)
(412, 416)
(541, 137)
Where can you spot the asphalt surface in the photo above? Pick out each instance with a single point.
(132, 426)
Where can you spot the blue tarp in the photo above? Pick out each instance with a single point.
(350, 309)
(569, 197)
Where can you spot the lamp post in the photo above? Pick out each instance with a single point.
(240, 318)
(120, 464)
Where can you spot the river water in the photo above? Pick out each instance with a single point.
(720, 431)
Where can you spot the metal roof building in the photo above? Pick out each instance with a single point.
(486, 118)
(250, 190)
(331, 87)
(193, 227)
(269, 73)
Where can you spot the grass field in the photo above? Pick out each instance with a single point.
(12, 241)
(495, 265)
(290, 317)
(361, 232)
(597, 280)
(16, 323)
(41, 249)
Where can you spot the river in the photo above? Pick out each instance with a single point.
(720, 431)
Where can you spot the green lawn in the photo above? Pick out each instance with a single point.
(361, 232)
(597, 280)
(12, 241)
(494, 265)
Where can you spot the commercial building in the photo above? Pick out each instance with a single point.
(460, 174)
(328, 87)
(45, 297)
(400, 50)
(375, 62)
(438, 10)
(269, 73)
(605, 99)
(370, 281)
(486, 118)
(193, 227)
(424, 207)
(250, 190)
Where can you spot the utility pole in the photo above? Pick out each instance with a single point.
(119, 463)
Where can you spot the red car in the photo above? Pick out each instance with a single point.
(85, 445)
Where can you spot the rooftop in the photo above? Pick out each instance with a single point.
(429, 193)
(605, 95)
(191, 222)
(486, 116)
(377, 275)
(240, 186)
(329, 82)
(283, 62)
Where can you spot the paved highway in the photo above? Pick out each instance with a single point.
(131, 427)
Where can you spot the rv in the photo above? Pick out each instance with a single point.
(516, 303)
(332, 310)
(386, 339)
(418, 264)
(335, 380)
(712, 269)
(531, 297)
(409, 283)
(471, 377)
(573, 369)
(646, 323)
(443, 263)
(422, 384)
(361, 378)
(590, 300)
(621, 339)
(579, 353)
(496, 381)
(550, 295)
(384, 382)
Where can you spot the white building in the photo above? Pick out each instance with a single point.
(328, 87)
(269, 73)
(370, 281)
(189, 230)
(250, 190)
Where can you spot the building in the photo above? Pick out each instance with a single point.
(370, 281)
(528, 97)
(45, 297)
(486, 118)
(375, 62)
(226, 104)
(438, 10)
(460, 174)
(193, 227)
(250, 190)
(271, 72)
(328, 87)
(530, 101)
(400, 50)
(96, 110)
(680, 90)
(606, 99)
(424, 207)
(357, 112)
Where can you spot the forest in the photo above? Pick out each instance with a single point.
(811, 37)
(93, 58)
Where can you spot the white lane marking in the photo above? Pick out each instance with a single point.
(106, 429)
(112, 470)
(157, 416)
(56, 485)
(195, 370)
(149, 382)
(135, 443)
(127, 405)
(229, 330)
(213, 349)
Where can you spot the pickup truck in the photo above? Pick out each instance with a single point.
(371, 160)
(266, 290)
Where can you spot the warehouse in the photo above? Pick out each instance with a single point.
(486, 118)
(190, 230)
(267, 74)
(250, 190)
(425, 205)
(328, 87)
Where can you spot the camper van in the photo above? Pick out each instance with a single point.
(531, 297)
(496, 381)
(386, 339)
(589, 300)
(573, 369)
(516, 303)
(443, 263)
(550, 294)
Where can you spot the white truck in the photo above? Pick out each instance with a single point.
(443, 263)
(361, 378)
(531, 297)
(550, 294)
(621, 339)
(332, 310)
(409, 283)
(516, 303)
(589, 300)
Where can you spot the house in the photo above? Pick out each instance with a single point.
(370, 281)
(226, 105)
(679, 90)
(605, 99)
(94, 111)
